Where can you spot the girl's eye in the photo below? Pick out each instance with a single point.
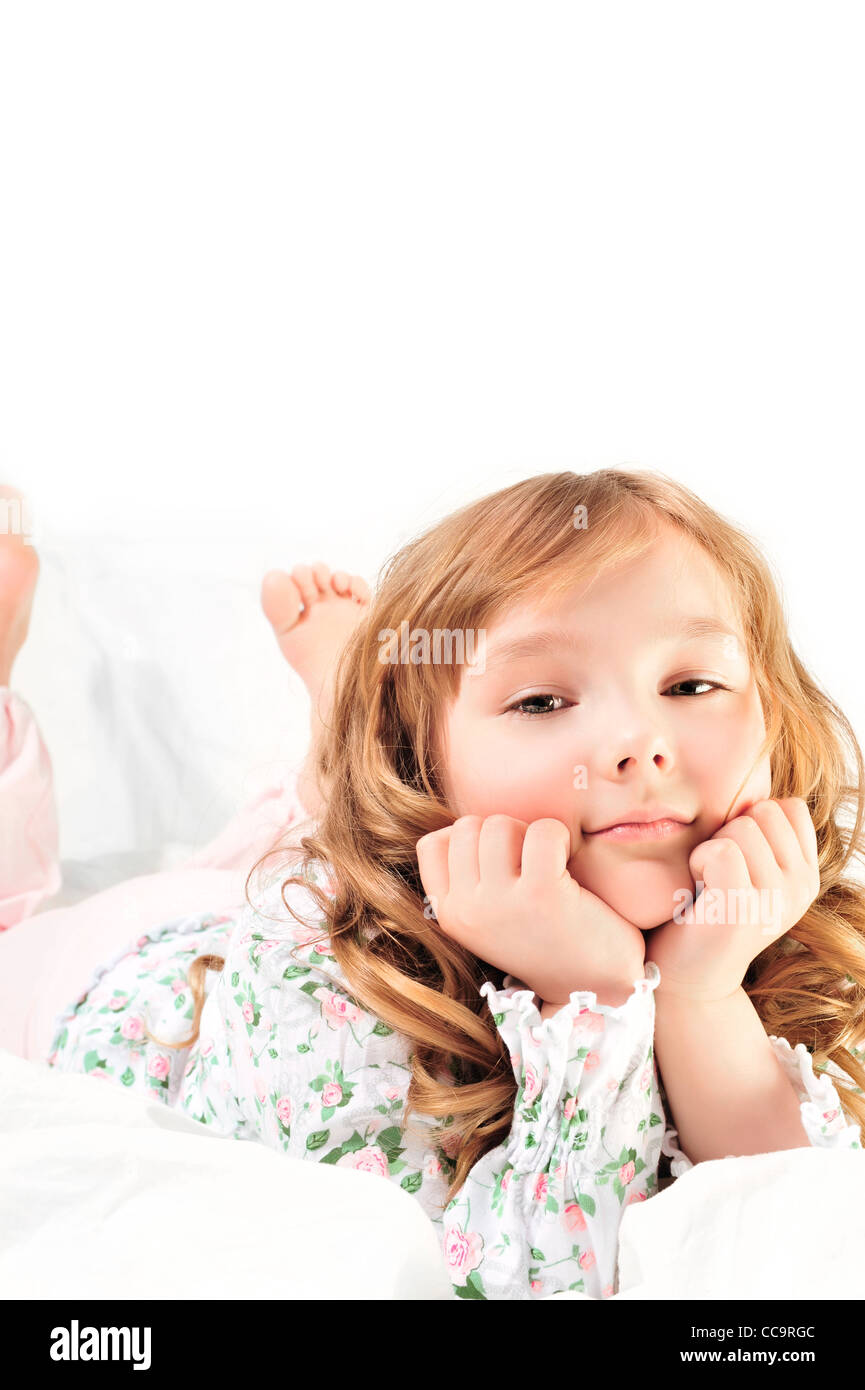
(535, 700)
(697, 680)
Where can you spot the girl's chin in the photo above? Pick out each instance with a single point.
(646, 918)
(653, 924)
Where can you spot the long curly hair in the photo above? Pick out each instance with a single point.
(376, 766)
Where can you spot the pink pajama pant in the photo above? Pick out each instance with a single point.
(48, 956)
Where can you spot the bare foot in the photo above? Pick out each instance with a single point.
(313, 611)
(19, 570)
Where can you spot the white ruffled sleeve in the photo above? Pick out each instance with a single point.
(820, 1106)
(540, 1213)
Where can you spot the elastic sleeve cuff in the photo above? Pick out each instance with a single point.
(679, 1161)
(556, 1058)
(822, 1116)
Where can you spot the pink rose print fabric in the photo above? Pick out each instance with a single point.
(288, 1058)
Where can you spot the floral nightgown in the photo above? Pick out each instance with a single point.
(286, 1057)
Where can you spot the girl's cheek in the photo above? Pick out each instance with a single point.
(757, 788)
(725, 754)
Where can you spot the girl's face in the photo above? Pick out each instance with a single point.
(616, 710)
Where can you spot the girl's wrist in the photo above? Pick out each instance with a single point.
(612, 993)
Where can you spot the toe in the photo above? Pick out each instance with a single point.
(341, 582)
(303, 578)
(360, 588)
(321, 575)
(281, 600)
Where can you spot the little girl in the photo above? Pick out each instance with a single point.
(568, 707)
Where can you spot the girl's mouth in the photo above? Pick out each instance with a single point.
(653, 830)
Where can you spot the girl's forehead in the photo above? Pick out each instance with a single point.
(671, 577)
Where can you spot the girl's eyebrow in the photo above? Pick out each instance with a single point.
(548, 641)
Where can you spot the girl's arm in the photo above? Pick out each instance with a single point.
(726, 1088)
(727, 1084)
(733, 1090)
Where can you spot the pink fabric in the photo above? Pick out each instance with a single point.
(29, 869)
(47, 959)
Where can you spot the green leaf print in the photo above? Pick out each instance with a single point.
(303, 1047)
(350, 1146)
(498, 1019)
(538, 1254)
(317, 1139)
(92, 1059)
(411, 1182)
(235, 980)
(472, 1288)
(381, 1030)
(310, 987)
(586, 1202)
(294, 972)
(654, 1119)
(128, 1077)
(389, 1139)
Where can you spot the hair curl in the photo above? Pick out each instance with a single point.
(377, 767)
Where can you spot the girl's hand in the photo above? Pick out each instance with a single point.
(501, 888)
(761, 875)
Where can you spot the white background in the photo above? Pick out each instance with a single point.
(287, 282)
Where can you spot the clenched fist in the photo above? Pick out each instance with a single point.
(501, 888)
(760, 873)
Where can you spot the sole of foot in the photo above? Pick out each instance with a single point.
(313, 610)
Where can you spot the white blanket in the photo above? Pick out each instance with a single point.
(105, 1194)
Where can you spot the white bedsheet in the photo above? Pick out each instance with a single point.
(105, 1194)
(779, 1225)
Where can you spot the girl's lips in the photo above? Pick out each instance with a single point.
(653, 830)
